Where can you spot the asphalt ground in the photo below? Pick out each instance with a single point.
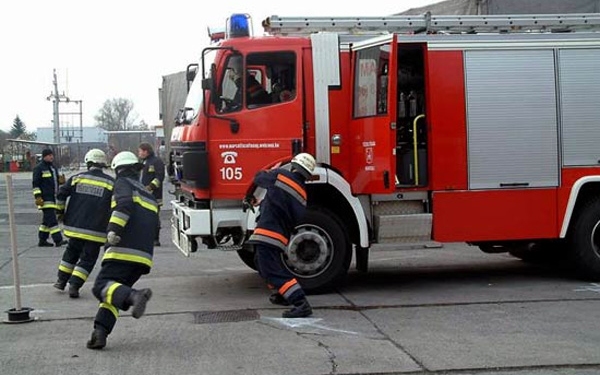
(449, 310)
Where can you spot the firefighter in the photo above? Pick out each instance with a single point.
(282, 208)
(129, 249)
(152, 177)
(85, 220)
(45, 186)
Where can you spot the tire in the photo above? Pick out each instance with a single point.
(246, 254)
(584, 241)
(319, 251)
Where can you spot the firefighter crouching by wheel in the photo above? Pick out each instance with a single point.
(45, 186)
(85, 220)
(280, 211)
(152, 177)
(129, 249)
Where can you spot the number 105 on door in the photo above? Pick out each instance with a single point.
(231, 173)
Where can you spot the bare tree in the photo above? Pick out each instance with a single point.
(115, 114)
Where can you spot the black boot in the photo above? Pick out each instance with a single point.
(44, 244)
(61, 242)
(98, 340)
(138, 299)
(60, 285)
(73, 291)
(277, 299)
(301, 309)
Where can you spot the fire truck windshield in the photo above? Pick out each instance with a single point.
(194, 99)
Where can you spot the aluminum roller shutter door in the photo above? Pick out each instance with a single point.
(511, 119)
(580, 114)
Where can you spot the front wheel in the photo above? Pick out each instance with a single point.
(319, 251)
(584, 239)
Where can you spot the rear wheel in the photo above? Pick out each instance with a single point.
(319, 252)
(584, 238)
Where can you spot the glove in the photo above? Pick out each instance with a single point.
(248, 203)
(61, 179)
(112, 238)
(39, 201)
(150, 188)
(60, 215)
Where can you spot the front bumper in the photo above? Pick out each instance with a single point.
(188, 223)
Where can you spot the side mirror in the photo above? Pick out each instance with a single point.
(207, 84)
(190, 74)
(188, 115)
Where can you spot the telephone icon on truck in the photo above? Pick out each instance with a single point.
(229, 157)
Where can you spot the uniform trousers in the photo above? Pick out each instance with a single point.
(49, 226)
(112, 288)
(270, 267)
(78, 261)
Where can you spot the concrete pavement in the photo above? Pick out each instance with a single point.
(453, 310)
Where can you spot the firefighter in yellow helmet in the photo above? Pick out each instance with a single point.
(85, 220)
(280, 211)
(129, 250)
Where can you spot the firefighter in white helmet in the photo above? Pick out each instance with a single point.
(280, 211)
(85, 220)
(130, 246)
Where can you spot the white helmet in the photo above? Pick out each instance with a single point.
(304, 163)
(95, 156)
(124, 158)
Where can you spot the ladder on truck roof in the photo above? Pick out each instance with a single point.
(428, 23)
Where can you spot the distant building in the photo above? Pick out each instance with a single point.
(74, 144)
(72, 134)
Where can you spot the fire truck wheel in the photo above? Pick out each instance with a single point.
(584, 239)
(319, 252)
(246, 254)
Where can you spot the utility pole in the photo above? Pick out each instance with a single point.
(56, 99)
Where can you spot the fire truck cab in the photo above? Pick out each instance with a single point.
(476, 129)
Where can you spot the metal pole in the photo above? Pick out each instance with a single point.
(56, 114)
(13, 241)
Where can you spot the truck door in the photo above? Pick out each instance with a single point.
(373, 122)
(258, 118)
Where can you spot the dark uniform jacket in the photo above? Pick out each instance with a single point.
(134, 218)
(281, 209)
(45, 183)
(88, 208)
(153, 174)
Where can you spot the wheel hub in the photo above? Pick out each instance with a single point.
(310, 251)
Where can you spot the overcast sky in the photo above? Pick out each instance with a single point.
(122, 48)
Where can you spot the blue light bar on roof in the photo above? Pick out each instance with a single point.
(239, 25)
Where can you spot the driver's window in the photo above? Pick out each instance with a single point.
(230, 90)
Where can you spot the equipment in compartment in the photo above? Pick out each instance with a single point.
(411, 135)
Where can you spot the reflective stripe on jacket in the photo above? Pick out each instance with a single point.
(45, 182)
(88, 210)
(153, 174)
(134, 218)
(281, 209)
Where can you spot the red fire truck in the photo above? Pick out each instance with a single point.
(476, 129)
